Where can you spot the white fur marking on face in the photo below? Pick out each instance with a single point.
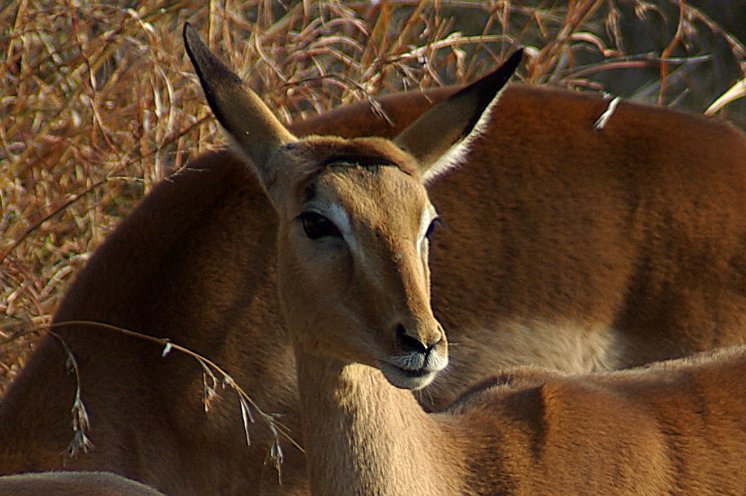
(425, 220)
(338, 215)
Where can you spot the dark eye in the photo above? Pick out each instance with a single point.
(431, 227)
(317, 226)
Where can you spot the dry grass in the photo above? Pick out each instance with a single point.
(99, 102)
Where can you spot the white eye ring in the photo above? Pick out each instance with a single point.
(430, 228)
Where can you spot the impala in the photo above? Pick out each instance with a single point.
(562, 246)
(353, 282)
(72, 484)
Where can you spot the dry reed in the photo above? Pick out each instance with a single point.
(98, 102)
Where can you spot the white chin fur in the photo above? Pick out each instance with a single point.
(406, 379)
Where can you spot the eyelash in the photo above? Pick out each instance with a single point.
(316, 226)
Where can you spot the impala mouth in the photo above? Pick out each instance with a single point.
(407, 378)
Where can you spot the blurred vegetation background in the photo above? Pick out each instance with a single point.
(98, 101)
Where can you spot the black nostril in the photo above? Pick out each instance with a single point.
(408, 343)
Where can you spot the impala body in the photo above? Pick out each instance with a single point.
(562, 246)
(72, 484)
(354, 287)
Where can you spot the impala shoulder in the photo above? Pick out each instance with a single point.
(384, 116)
(520, 382)
(582, 108)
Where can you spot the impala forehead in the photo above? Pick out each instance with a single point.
(380, 198)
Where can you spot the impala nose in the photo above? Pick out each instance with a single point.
(421, 353)
(419, 342)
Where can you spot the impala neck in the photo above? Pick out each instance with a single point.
(365, 437)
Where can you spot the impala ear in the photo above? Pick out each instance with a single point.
(440, 136)
(252, 126)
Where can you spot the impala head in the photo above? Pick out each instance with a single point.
(354, 221)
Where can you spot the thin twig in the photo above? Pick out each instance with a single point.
(216, 374)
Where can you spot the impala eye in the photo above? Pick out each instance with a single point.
(431, 227)
(317, 226)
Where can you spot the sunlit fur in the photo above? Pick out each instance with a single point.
(364, 269)
(676, 428)
(559, 246)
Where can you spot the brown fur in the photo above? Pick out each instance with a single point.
(677, 428)
(562, 247)
(72, 484)
(348, 296)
